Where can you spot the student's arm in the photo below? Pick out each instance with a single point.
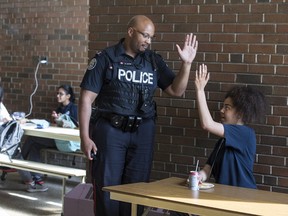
(4, 114)
(207, 122)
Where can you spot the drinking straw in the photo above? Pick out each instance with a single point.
(197, 165)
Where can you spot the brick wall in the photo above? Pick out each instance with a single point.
(29, 29)
(243, 42)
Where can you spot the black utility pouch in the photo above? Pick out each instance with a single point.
(129, 124)
(137, 122)
(117, 121)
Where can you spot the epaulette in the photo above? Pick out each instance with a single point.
(98, 53)
(93, 61)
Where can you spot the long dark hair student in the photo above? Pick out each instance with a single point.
(31, 149)
(66, 99)
(69, 90)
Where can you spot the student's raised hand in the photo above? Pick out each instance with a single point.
(188, 53)
(201, 78)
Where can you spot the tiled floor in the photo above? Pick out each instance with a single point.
(15, 201)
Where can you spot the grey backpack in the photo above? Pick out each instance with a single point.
(10, 137)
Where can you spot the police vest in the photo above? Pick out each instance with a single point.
(129, 85)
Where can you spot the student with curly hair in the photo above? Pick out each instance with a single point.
(232, 160)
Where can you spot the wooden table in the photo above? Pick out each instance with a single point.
(173, 194)
(52, 132)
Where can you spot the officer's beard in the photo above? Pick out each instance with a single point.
(144, 47)
(141, 51)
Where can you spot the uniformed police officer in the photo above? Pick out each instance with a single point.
(122, 80)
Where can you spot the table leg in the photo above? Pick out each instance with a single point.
(63, 187)
(133, 209)
(63, 192)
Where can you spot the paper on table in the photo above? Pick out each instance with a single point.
(40, 123)
(205, 186)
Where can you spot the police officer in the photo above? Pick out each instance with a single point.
(122, 80)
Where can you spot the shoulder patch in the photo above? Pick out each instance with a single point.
(92, 64)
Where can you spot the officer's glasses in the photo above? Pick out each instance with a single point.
(145, 35)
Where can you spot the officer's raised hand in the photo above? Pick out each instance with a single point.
(188, 53)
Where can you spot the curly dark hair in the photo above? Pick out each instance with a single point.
(69, 90)
(249, 102)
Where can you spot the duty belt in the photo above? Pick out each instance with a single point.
(125, 123)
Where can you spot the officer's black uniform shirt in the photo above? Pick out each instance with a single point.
(96, 73)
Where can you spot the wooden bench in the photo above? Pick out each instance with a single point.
(56, 151)
(84, 163)
(49, 169)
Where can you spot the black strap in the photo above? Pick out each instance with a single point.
(222, 141)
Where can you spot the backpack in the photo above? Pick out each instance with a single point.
(66, 121)
(10, 137)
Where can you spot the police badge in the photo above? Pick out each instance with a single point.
(92, 64)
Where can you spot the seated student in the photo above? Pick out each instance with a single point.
(4, 114)
(232, 160)
(31, 149)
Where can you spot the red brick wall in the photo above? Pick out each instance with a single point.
(242, 43)
(29, 29)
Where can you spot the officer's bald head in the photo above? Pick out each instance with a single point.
(139, 34)
(139, 21)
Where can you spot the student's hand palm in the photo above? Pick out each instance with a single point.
(202, 77)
